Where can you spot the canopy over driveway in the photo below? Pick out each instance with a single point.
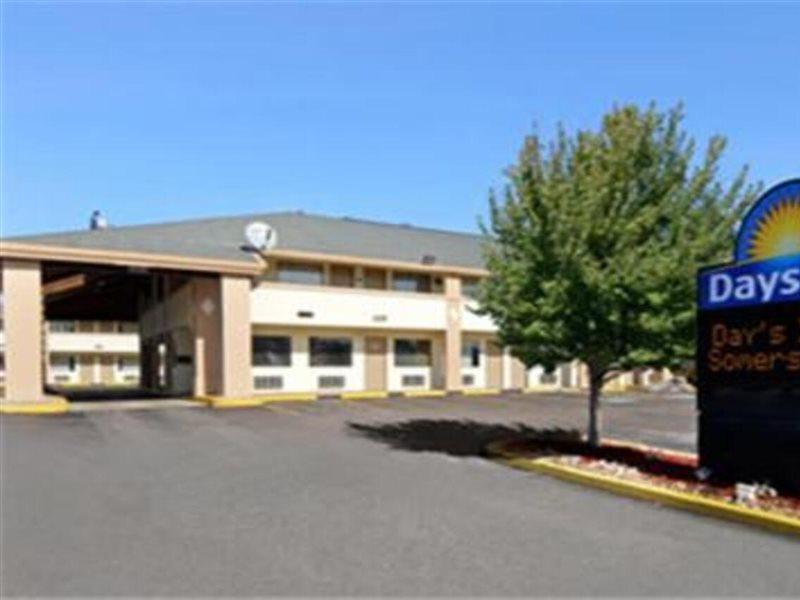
(193, 314)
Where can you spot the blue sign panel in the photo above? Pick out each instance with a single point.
(748, 348)
(749, 284)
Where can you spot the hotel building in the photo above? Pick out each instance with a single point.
(338, 305)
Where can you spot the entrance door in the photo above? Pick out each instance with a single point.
(181, 362)
(375, 364)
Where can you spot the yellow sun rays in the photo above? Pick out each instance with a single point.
(778, 231)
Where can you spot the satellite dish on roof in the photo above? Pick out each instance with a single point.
(261, 236)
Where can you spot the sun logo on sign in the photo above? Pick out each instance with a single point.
(771, 229)
(777, 232)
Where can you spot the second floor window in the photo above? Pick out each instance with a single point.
(411, 282)
(305, 273)
(470, 287)
(374, 279)
(342, 276)
(62, 326)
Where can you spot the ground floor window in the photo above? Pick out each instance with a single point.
(64, 364)
(412, 353)
(127, 364)
(272, 351)
(471, 354)
(330, 352)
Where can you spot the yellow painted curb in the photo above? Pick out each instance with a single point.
(292, 397)
(366, 395)
(254, 401)
(480, 391)
(55, 406)
(423, 393)
(692, 502)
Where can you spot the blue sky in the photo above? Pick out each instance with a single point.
(398, 112)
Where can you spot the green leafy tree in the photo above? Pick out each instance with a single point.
(593, 250)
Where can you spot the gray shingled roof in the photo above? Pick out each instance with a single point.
(222, 238)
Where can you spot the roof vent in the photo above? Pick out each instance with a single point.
(428, 259)
(97, 221)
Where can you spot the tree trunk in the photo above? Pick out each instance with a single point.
(595, 412)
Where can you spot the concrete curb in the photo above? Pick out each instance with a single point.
(55, 406)
(683, 500)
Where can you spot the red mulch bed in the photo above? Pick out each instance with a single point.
(657, 467)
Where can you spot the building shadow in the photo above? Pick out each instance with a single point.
(98, 393)
(452, 437)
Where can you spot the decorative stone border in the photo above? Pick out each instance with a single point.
(686, 501)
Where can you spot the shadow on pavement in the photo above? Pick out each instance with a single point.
(456, 438)
(104, 393)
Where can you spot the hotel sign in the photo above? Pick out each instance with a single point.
(748, 347)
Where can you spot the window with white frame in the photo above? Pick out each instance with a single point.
(63, 364)
(127, 364)
(330, 352)
(412, 353)
(272, 351)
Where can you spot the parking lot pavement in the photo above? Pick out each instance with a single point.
(381, 497)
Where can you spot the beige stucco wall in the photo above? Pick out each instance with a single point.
(236, 333)
(208, 318)
(22, 319)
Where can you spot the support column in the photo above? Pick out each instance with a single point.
(207, 337)
(22, 319)
(222, 344)
(452, 343)
(237, 379)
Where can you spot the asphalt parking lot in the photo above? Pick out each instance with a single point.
(381, 497)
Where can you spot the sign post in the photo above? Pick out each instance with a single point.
(748, 348)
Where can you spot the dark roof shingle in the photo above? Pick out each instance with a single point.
(222, 238)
